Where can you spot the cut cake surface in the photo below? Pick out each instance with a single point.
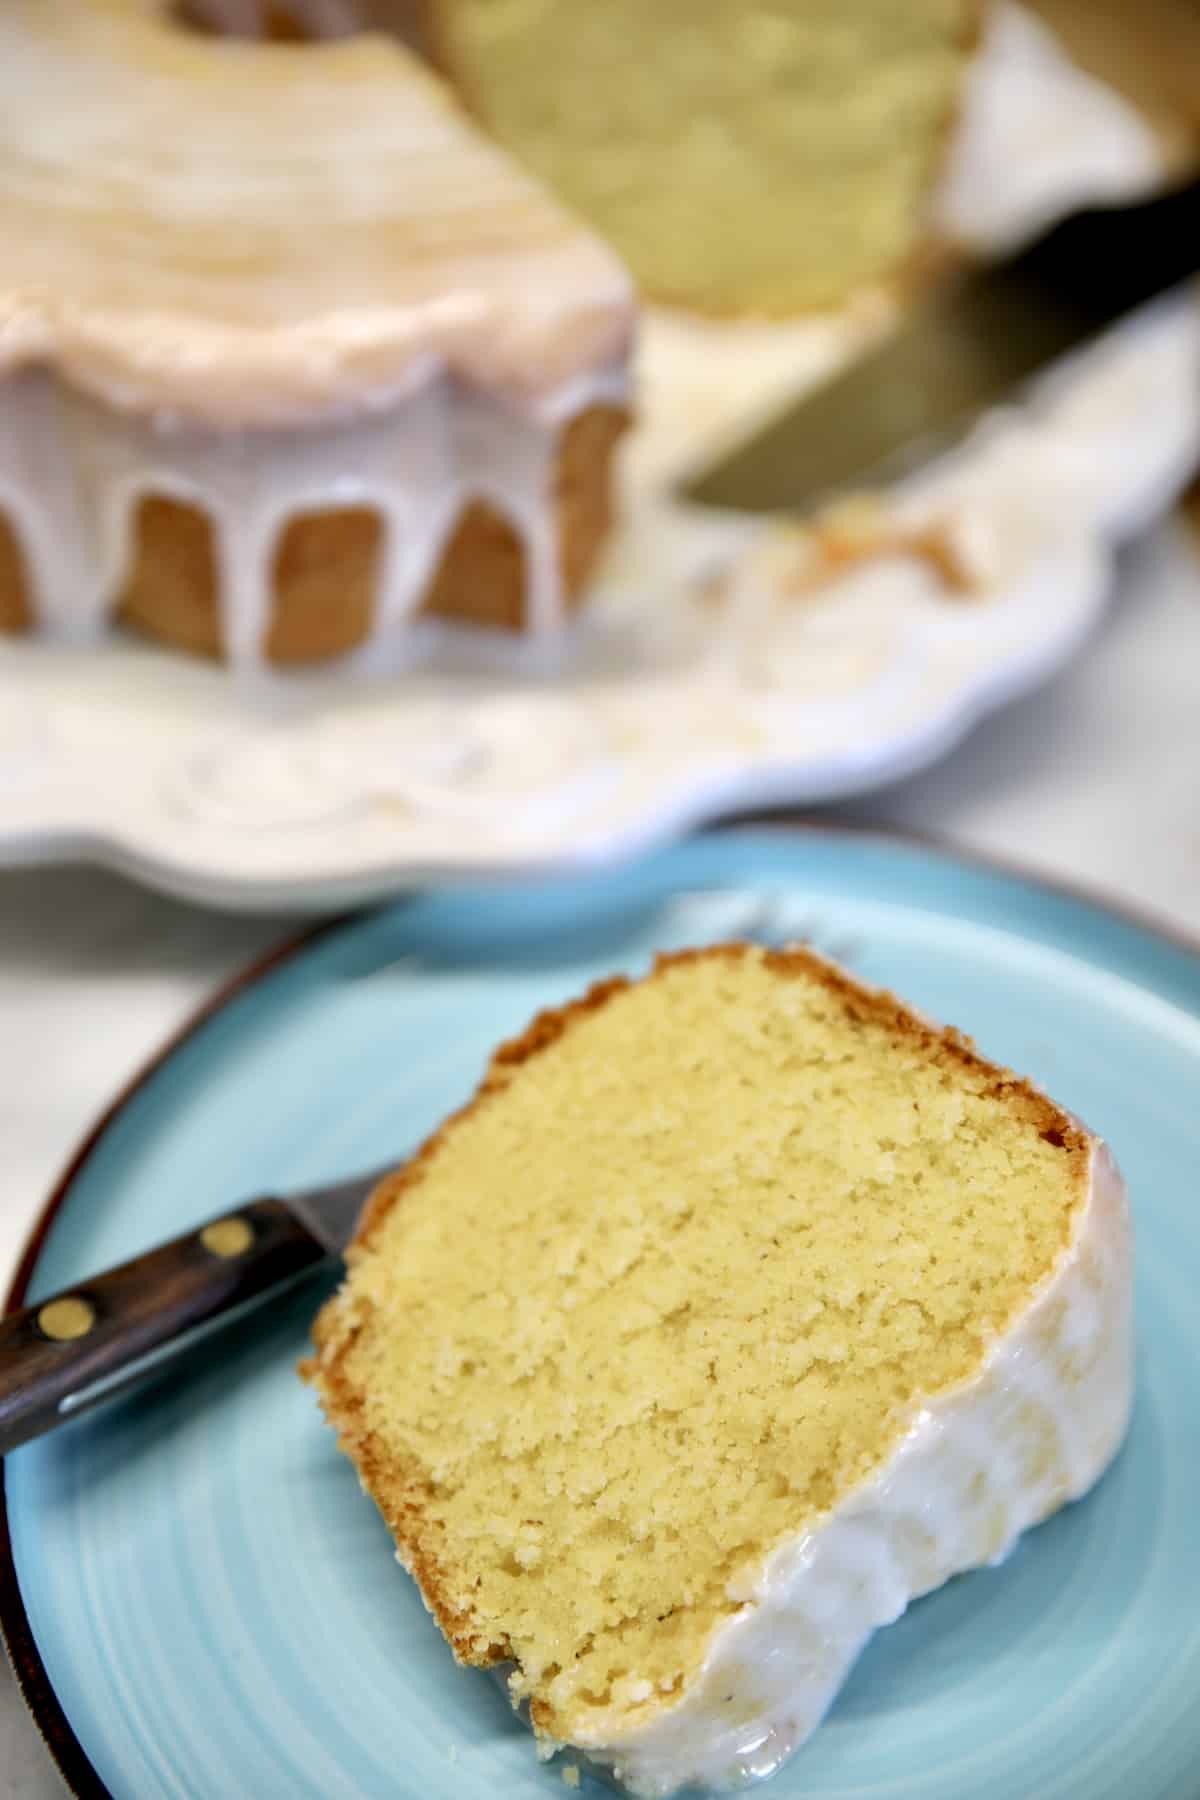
(742, 158)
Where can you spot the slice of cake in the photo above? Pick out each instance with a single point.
(740, 156)
(738, 1308)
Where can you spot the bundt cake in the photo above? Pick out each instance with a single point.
(739, 1307)
(287, 350)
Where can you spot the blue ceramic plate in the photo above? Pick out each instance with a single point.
(203, 1604)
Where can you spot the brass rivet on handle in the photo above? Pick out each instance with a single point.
(70, 1317)
(227, 1237)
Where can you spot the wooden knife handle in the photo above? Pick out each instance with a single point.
(81, 1346)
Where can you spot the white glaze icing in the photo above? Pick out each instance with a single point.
(1034, 1429)
(251, 235)
(73, 471)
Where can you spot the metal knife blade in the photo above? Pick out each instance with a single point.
(331, 1213)
(974, 344)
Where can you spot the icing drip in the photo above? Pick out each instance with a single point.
(73, 473)
(40, 495)
(512, 463)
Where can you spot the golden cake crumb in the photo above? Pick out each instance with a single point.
(675, 1282)
(793, 148)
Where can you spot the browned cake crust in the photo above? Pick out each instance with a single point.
(324, 571)
(399, 1487)
(14, 599)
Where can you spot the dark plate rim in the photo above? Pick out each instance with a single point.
(33, 1680)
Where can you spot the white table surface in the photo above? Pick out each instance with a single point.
(1094, 778)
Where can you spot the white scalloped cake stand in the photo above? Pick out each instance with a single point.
(662, 707)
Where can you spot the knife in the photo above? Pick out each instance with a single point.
(977, 342)
(98, 1338)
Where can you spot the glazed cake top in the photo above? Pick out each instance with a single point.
(249, 234)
